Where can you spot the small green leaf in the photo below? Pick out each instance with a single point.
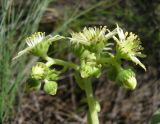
(156, 118)
(32, 84)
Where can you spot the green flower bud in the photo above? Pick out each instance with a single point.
(90, 70)
(50, 87)
(89, 66)
(32, 84)
(126, 79)
(39, 70)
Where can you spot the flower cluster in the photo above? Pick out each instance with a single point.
(94, 49)
(91, 44)
(95, 52)
(40, 72)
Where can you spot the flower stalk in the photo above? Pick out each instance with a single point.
(52, 61)
(93, 113)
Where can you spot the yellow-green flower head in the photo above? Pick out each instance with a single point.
(126, 79)
(39, 70)
(129, 47)
(38, 44)
(50, 87)
(89, 36)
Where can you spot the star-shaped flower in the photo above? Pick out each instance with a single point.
(89, 36)
(129, 47)
(38, 44)
(93, 38)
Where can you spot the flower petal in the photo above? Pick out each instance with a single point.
(25, 51)
(136, 60)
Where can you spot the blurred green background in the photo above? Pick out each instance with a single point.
(20, 18)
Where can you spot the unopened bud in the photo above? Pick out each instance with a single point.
(126, 79)
(90, 70)
(50, 87)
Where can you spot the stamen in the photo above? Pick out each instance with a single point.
(35, 39)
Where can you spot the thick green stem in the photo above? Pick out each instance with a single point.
(93, 114)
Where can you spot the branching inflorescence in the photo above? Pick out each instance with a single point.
(94, 47)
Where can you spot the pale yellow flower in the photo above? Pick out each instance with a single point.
(89, 36)
(129, 47)
(38, 44)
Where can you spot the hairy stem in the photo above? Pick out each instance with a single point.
(93, 114)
